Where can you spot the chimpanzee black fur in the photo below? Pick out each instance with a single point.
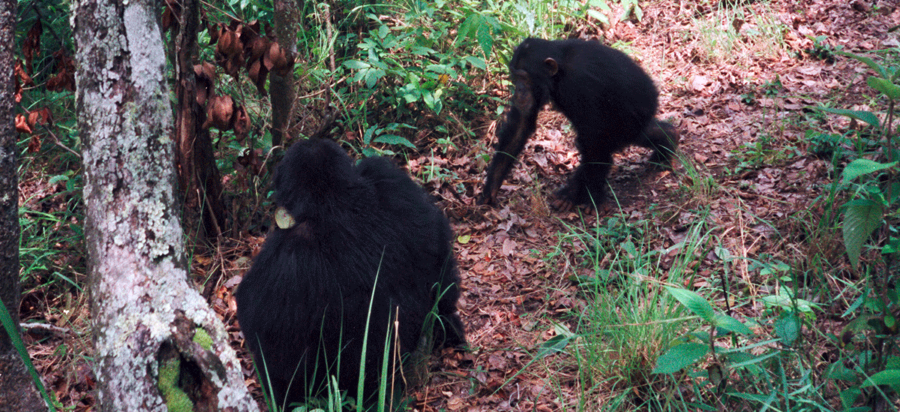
(303, 304)
(610, 101)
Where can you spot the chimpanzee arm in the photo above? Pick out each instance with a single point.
(512, 135)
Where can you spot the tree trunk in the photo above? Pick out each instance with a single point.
(17, 391)
(198, 175)
(156, 342)
(281, 89)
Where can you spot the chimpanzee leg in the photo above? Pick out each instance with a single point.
(587, 185)
(663, 138)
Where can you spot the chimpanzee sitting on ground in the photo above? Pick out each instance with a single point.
(608, 98)
(303, 304)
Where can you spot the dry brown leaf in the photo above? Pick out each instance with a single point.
(206, 77)
(22, 124)
(219, 112)
(31, 47)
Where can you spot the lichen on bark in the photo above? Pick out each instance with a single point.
(141, 298)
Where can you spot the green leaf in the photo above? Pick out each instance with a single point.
(476, 61)
(869, 62)
(891, 90)
(861, 217)
(679, 357)
(838, 371)
(485, 39)
(356, 65)
(860, 115)
(56, 179)
(553, 345)
(464, 239)
(890, 377)
(849, 397)
(394, 139)
(861, 167)
(597, 15)
(468, 27)
(731, 324)
(599, 3)
(787, 328)
(694, 302)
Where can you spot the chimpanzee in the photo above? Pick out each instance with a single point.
(342, 230)
(610, 101)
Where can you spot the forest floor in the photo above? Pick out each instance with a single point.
(744, 160)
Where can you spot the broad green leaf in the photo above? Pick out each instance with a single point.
(890, 377)
(597, 15)
(476, 61)
(861, 217)
(464, 239)
(787, 328)
(838, 371)
(553, 345)
(860, 115)
(679, 357)
(849, 397)
(869, 62)
(695, 303)
(731, 324)
(372, 77)
(468, 27)
(891, 90)
(356, 64)
(861, 167)
(394, 139)
(601, 4)
(422, 51)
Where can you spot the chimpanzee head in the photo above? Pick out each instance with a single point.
(315, 178)
(533, 68)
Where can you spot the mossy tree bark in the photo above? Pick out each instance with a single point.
(157, 343)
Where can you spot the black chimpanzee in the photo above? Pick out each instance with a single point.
(610, 101)
(344, 229)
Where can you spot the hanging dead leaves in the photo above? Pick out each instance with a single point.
(65, 73)
(22, 79)
(63, 79)
(31, 47)
(28, 122)
(240, 44)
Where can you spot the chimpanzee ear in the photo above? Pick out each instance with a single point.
(551, 65)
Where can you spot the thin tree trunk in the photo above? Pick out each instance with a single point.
(17, 391)
(156, 342)
(281, 89)
(199, 178)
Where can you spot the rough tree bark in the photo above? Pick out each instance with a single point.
(156, 341)
(281, 89)
(198, 175)
(17, 391)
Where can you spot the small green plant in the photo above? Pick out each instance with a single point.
(869, 183)
(821, 50)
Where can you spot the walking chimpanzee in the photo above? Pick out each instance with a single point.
(610, 101)
(344, 229)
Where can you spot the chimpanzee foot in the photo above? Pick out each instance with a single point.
(570, 197)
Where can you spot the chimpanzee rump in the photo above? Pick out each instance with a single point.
(303, 304)
(610, 101)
